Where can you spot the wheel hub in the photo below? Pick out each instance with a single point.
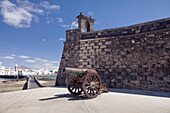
(92, 85)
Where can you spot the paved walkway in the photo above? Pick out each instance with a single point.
(32, 83)
(59, 100)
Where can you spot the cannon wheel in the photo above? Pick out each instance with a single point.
(92, 85)
(72, 85)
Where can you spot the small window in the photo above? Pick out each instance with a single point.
(87, 25)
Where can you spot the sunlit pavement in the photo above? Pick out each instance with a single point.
(59, 100)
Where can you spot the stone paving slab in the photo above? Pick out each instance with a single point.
(59, 100)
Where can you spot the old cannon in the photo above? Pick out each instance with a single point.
(86, 80)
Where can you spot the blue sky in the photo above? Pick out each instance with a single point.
(32, 32)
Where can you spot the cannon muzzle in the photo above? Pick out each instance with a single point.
(76, 71)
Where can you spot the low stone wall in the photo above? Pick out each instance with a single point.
(134, 61)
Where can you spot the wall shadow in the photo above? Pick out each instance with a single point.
(69, 97)
(142, 92)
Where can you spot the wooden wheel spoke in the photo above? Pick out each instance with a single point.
(88, 80)
(96, 83)
(97, 86)
(75, 90)
(87, 84)
(71, 84)
(88, 89)
(72, 88)
(93, 92)
(94, 77)
(73, 80)
(96, 90)
(79, 89)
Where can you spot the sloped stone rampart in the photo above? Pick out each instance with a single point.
(138, 60)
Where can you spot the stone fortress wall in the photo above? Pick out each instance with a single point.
(132, 57)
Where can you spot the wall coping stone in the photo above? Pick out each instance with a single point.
(130, 26)
(106, 38)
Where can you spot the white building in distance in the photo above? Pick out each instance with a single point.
(23, 70)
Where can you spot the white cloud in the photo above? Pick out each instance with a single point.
(30, 61)
(29, 6)
(61, 39)
(46, 66)
(57, 7)
(36, 19)
(46, 5)
(49, 20)
(90, 13)
(15, 16)
(41, 60)
(43, 63)
(37, 60)
(21, 13)
(60, 20)
(13, 54)
(7, 57)
(74, 25)
(62, 25)
(44, 40)
(24, 56)
(54, 61)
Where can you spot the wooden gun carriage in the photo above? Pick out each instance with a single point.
(84, 80)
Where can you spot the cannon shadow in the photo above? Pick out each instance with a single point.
(69, 97)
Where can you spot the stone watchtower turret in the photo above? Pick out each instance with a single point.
(85, 24)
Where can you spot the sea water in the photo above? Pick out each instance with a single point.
(51, 77)
(3, 79)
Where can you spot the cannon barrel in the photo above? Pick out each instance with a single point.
(76, 71)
